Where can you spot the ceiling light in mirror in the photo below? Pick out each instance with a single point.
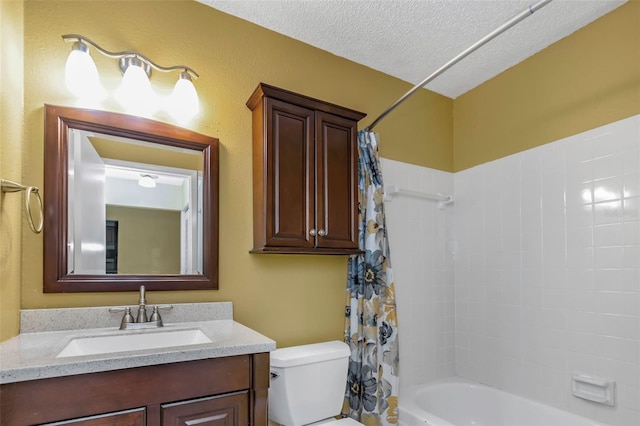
(147, 181)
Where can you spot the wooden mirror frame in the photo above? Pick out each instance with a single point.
(58, 121)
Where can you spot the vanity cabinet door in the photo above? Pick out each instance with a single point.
(121, 418)
(225, 410)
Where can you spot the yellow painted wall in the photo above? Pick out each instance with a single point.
(293, 299)
(11, 224)
(586, 80)
(148, 240)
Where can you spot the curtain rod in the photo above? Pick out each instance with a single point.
(504, 27)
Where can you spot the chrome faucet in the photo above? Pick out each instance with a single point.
(141, 321)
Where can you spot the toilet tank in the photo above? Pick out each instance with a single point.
(308, 382)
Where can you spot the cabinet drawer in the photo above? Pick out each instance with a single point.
(224, 410)
(121, 418)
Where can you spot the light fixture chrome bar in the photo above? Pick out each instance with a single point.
(493, 34)
(128, 54)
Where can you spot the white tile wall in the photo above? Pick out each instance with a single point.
(547, 270)
(420, 244)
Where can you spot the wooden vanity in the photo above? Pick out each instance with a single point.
(222, 382)
(218, 391)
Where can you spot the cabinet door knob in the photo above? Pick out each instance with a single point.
(312, 232)
(322, 233)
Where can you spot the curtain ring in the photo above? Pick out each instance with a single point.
(34, 190)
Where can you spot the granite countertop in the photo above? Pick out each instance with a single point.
(45, 332)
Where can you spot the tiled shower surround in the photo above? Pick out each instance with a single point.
(420, 244)
(546, 282)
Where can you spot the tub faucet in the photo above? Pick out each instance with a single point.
(141, 321)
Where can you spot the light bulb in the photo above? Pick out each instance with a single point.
(81, 75)
(135, 93)
(183, 102)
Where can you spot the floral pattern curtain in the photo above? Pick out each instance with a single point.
(371, 326)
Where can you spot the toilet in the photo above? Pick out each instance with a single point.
(308, 383)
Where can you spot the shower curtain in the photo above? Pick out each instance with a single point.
(371, 326)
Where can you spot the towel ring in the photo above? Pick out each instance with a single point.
(10, 186)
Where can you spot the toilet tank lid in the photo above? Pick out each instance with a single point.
(309, 354)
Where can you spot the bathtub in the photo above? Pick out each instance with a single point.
(459, 402)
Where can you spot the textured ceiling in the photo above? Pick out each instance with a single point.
(410, 39)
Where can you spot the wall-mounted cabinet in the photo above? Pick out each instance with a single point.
(305, 169)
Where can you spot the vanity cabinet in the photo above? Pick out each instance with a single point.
(305, 165)
(217, 391)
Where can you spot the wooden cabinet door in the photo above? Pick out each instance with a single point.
(121, 418)
(336, 182)
(304, 174)
(289, 175)
(225, 410)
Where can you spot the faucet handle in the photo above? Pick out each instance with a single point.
(127, 318)
(155, 316)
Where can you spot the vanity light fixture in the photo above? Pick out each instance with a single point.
(81, 74)
(135, 92)
(147, 181)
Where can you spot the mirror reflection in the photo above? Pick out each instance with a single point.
(127, 201)
(134, 207)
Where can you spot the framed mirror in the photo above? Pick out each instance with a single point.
(127, 201)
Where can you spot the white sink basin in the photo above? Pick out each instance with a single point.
(132, 342)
